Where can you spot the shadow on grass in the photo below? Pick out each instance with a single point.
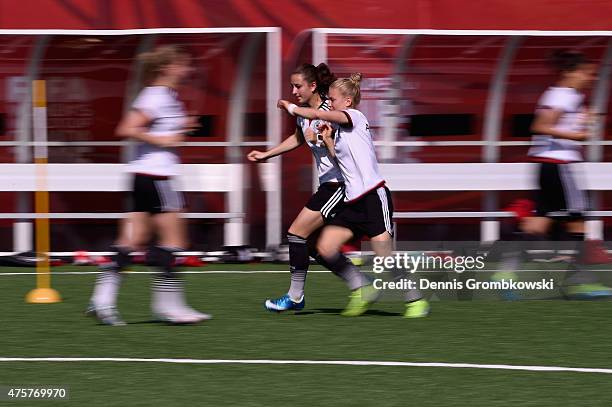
(337, 311)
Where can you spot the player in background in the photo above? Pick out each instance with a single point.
(561, 122)
(309, 86)
(157, 122)
(368, 208)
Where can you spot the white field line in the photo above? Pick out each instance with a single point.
(178, 272)
(318, 362)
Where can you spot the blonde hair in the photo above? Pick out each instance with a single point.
(155, 61)
(350, 87)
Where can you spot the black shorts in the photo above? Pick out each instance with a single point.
(154, 195)
(328, 199)
(559, 194)
(370, 215)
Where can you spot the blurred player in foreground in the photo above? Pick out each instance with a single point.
(157, 121)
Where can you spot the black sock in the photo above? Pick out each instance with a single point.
(579, 245)
(577, 273)
(121, 260)
(319, 259)
(163, 257)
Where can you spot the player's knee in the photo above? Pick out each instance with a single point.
(138, 241)
(175, 242)
(326, 250)
(297, 230)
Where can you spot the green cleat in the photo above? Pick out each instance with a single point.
(360, 300)
(417, 309)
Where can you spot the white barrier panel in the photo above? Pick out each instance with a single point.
(488, 177)
(459, 177)
(114, 178)
(485, 176)
(230, 178)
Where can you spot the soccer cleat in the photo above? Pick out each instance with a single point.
(587, 291)
(183, 316)
(507, 295)
(105, 315)
(284, 303)
(360, 300)
(199, 315)
(417, 309)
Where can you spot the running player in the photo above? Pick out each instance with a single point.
(309, 86)
(368, 207)
(157, 121)
(561, 122)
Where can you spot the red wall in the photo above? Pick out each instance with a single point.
(294, 16)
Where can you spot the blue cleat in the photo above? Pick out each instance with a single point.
(587, 292)
(284, 303)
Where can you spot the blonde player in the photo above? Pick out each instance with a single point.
(157, 121)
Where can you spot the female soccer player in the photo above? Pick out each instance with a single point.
(157, 121)
(561, 122)
(368, 208)
(309, 85)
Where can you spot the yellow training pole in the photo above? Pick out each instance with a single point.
(43, 293)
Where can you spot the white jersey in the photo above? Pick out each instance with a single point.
(356, 156)
(571, 103)
(167, 115)
(327, 168)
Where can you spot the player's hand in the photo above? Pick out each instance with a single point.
(591, 119)
(310, 136)
(191, 124)
(283, 104)
(257, 156)
(326, 132)
(170, 140)
(582, 136)
(323, 126)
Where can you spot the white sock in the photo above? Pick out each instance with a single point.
(106, 289)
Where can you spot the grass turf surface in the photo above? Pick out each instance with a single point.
(546, 333)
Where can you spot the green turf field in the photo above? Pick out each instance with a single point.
(537, 333)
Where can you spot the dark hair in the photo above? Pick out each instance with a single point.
(564, 60)
(319, 74)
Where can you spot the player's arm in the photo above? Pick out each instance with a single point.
(290, 143)
(545, 121)
(135, 124)
(334, 116)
